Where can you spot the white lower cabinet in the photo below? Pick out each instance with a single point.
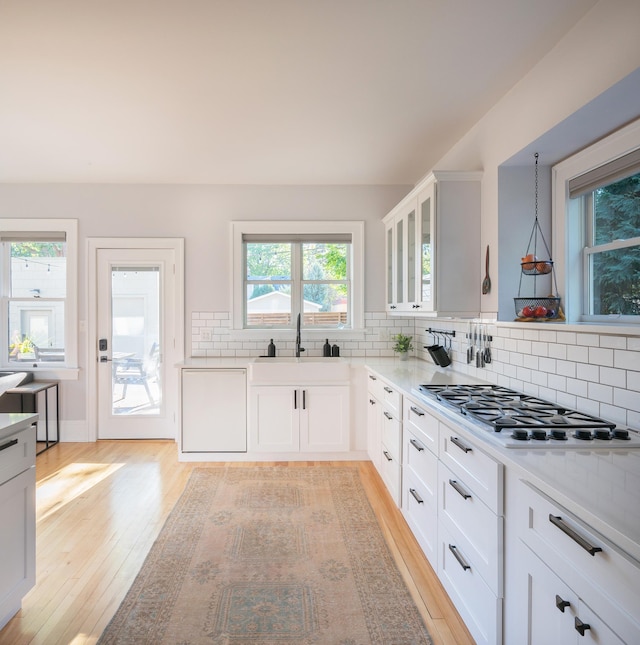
(214, 410)
(573, 578)
(476, 603)
(555, 613)
(384, 433)
(299, 419)
(18, 513)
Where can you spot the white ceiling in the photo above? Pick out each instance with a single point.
(256, 91)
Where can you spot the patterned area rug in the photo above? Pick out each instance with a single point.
(290, 556)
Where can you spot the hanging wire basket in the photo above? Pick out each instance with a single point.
(538, 308)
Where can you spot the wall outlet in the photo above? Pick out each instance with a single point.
(205, 335)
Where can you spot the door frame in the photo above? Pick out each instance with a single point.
(94, 244)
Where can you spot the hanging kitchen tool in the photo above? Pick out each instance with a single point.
(487, 346)
(469, 343)
(537, 308)
(486, 283)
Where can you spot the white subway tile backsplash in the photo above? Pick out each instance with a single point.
(626, 359)
(600, 356)
(597, 374)
(612, 376)
(602, 393)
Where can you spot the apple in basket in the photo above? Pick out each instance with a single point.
(529, 262)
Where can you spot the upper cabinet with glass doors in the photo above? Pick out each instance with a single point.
(432, 243)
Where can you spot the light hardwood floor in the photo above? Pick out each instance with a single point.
(100, 507)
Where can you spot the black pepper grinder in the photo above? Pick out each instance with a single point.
(271, 349)
(326, 348)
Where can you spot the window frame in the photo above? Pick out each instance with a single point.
(571, 225)
(298, 228)
(69, 227)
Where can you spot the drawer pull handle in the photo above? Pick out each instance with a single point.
(372, 402)
(463, 446)
(562, 604)
(388, 390)
(373, 378)
(589, 548)
(4, 446)
(386, 414)
(461, 491)
(415, 410)
(387, 455)
(417, 497)
(461, 561)
(416, 445)
(581, 627)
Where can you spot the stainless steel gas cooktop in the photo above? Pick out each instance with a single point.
(517, 420)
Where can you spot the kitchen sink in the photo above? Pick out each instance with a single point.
(288, 370)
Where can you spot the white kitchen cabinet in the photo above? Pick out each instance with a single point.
(555, 613)
(18, 512)
(433, 247)
(214, 410)
(313, 418)
(384, 433)
(569, 562)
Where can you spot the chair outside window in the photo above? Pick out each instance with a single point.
(132, 370)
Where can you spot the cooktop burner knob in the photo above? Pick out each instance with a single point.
(621, 433)
(559, 434)
(520, 435)
(601, 434)
(538, 434)
(584, 435)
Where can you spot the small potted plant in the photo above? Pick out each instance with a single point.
(402, 345)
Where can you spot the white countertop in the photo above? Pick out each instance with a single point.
(11, 422)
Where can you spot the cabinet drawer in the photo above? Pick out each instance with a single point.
(374, 386)
(420, 510)
(423, 425)
(482, 473)
(390, 471)
(17, 453)
(422, 462)
(476, 528)
(392, 400)
(391, 434)
(605, 578)
(479, 607)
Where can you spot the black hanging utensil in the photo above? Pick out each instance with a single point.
(486, 283)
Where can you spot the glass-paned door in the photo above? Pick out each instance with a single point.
(131, 343)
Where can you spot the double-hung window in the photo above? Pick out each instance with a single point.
(38, 303)
(602, 230)
(290, 268)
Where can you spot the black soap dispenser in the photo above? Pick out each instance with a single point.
(326, 348)
(271, 349)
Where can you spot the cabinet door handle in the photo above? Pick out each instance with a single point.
(373, 378)
(463, 446)
(387, 455)
(562, 604)
(388, 390)
(372, 402)
(416, 445)
(417, 497)
(295, 399)
(386, 414)
(415, 410)
(4, 446)
(304, 399)
(581, 627)
(461, 561)
(556, 520)
(461, 491)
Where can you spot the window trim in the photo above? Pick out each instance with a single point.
(287, 228)
(70, 229)
(569, 230)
